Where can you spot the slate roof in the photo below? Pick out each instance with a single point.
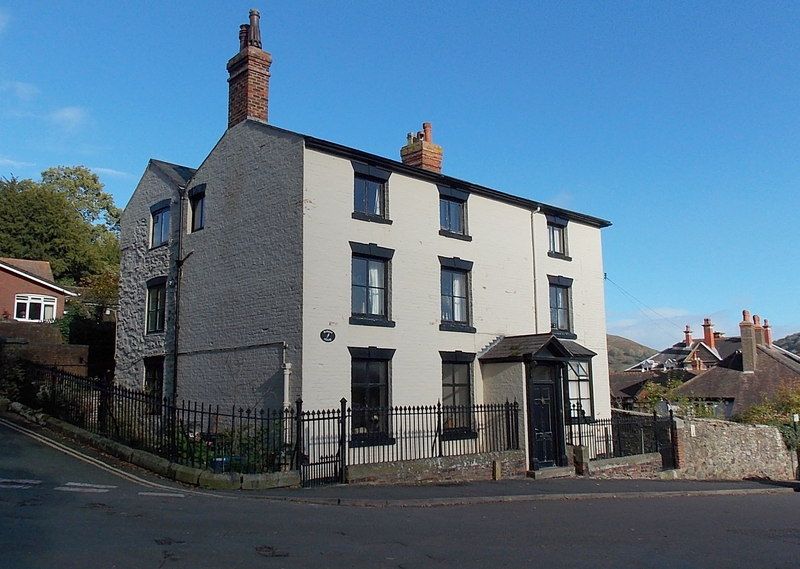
(516, 347)
(775, 369)
(628, 384)
(723, 347)
(39, 269)
(177, 174)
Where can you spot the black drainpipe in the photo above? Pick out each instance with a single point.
(178, 274)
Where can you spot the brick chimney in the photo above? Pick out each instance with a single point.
(421, 152)
(767, 334)
(248, 81)
(708, 333)
(758, 330)
(748, 343)
(687, 336)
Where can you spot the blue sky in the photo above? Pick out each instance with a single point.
(678, 121)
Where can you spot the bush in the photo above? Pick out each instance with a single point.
(777, 412)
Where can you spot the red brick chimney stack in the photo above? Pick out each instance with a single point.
(748, 343)
(687, 336)
(758, 330)
(708, 333)
(421, 152)
(248, 70)
(767, 333)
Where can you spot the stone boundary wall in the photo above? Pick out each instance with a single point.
(710, 449)
(444, 469)
(640, 466)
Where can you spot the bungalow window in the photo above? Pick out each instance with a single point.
(34, 308)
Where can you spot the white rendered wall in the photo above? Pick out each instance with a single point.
(502, 282)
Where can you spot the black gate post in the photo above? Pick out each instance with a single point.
(104, 404)
(507, 409)
(655, 432)
(343, 441)
(298, 450)
(439, 425)
(673, 435)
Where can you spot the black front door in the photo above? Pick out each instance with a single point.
(544, 430)
(544, 420)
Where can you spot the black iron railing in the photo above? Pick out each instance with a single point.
(321, 443)
(621, 435)
(194, 434)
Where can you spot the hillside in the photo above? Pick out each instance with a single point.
(623, 353)
(790, 342)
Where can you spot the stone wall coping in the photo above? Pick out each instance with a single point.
(625, 460)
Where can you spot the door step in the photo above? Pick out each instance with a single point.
(555, 472)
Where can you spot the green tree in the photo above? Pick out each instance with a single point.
(84, 190)
(38, 221)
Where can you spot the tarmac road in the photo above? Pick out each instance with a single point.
(64, 510)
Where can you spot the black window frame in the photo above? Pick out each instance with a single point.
(449, 268)
(451, 199)
(156, 316)
(158, 213)
(197, 198)
(373, 422)
(562, 288)
(371, 253)
(371, 175)
(557, 237)
(464, 425)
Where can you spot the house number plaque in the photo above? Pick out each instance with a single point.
(327, 335)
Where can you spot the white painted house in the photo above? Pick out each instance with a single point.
(286, 266)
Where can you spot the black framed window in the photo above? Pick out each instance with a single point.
(560, 304)
(579, 391)
(455, 296)
(369, 196)
(369, 395)
(160, 227)
(198, 206)
(370, 284)
(369, 287)
(558, 239)
(451, 215)
(154, 381)
(156, 305)
(370, 200)
(456, 396)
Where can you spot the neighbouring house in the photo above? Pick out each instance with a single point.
(286, 267)
(28, 292)
(749, 376)
(692, 353)
(626, 387)
(29, 301)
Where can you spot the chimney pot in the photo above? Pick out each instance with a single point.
(767, 333)
(709, 336)
(421, 152)
(687, 336)
(747, 332)
(758, 330)
(248, 81)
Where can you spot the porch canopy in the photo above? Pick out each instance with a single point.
(535, 346)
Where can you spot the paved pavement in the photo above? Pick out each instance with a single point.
(64, 510)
